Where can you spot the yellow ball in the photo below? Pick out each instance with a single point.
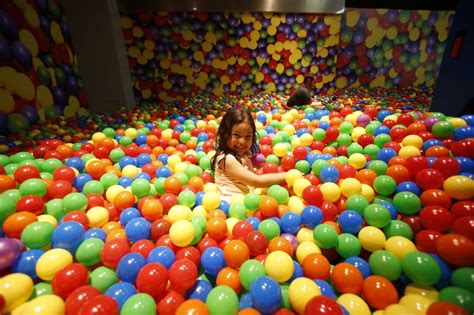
(354, 304)
(457, 122)
(179, 212)
(112, 192)
(397, 309)
(296, 204)
(416, 303)
(230, 222)
(200, 124)
(295, 142)
(400, 246)
(300, 185)
(459, 187)
(413, 140)
(211, 200)
(350, 186)
(51, 262)
(290, 129)
(130, 171)
(48, 218)
(97, 216)
(208, 187)
(357, 160)
(167, 134)
(199, 211)
(368, 192)
(181, 233)
(98, 137)
(306, 139)
(305, 248)
(371, 238)
(331, 192)
(423, 290)
(408, 151)
(279, 266)
(132, 133)
(280, 149)
(304, 235)
(237, 199)
(16, 289)
(173, 160)
(291, 176)
(48, 304)
(300, 291)
(357, 132)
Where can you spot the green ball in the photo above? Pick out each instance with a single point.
(139, 304)
(160, 185)
(407, 202)
(102, 278)
(421, 268)
(279, 193)
(357, 203)
(109, 132)
(344, 139)
(272, 158)
(346, 128)
(183, 178)
(21, 156)
(302, 166)
(74, 201)
(385, 185)
(109, 179)
(355, 148)
(11, 168)
(442, 129)
(125, 141)
(458, 296)
(37, 234)
(269, 228)
(54, 207)
(17, 123)
(7, 208)
(398, 228)
(348, 245)
(252, 201)
(187, 198)
(381, 139)
(379, 167)
(377, 215)
(319, 134)
(238, 211)
(4, 160)
(463, 278)
(140, 187)
(222, 300)
(205, 163)
(93, 187)
(12, 194)
(193, 170)
(385, 264)
(33, 186)
(41, 288)
(50, 165)
(318, 166)
(371, 150)
(325, 236)
(116, 154)
(88, 253)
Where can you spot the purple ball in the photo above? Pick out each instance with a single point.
(363, 120)
(292, 239)
(10, 248)
(30, 113)
(429, 122)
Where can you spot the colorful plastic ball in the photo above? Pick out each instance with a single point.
(140, 303)
(236, 252)
(323, 305)
(371, 238)
(329, 174)
(79, 297)
(102, 278)
(52, 262)
(458, 296)
(212, 260)
(455, 249)
(266, 294)
(379, 292)
(181, 233)
(385, 264)
(88, 253)
(459, 187)
(290, 222)
(182, 274)
(353, 304)
(16, 288)
(421, 268)
(325, 236)
(129, 267)
(301, 291)
(439, 308)
(348, 245)
(407, 202)
(347, 278)
(279, 266)
(222, 299)
(121, 292)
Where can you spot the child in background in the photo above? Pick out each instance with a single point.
(302, 96)
(232, 165)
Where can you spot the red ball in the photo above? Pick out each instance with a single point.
(191, 253)
(100, 305)
(69, 279)
(26, 172)
(426, 240)
(300, 152)
(143, 247)
(429, 178)
(456, 249)
(152, 279)
(270, 167)
(113, 251)
(313, 195)
(257, 243)
(448, 166)
(320, 305)
(464, 226)
(462, 208)
(31, 203)
(59, 189)
(79, 297)
(170, 303)
(64, 173)
(183, 274)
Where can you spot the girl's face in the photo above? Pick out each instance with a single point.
(240, 140)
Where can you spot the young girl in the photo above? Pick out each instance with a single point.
(232, 165)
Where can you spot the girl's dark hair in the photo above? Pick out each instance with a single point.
(233, 117)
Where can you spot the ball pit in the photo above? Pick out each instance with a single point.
(136, 224)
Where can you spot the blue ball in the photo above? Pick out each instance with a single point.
(350, 222)
(381, 130)
(290, 223)
(266, 294)
(224, 206)
(324, 125)
(95, 233)
(199, 196)
(199, 291)
(329, 174)
(385, 154)
(409, 186)
(245, 301)
(163, 255)
(143, 176)
(125, 181)
(140, 139)
(326, 289)
(464, 132)
(137, 229)
(121, 292)
(163, 171)
(391, 207)
(297, 273)
(212, 260)
(311, 216)
(128, 214)
(254, 221)
(68, 235)
(163, 157)
(127, 160)
(26, 262)
(129, 266)
(76, 162)
(360, 264)
(143, 159)
(80, 180)
(467, 164)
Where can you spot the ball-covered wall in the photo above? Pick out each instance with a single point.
(39, 76)
(173, 54)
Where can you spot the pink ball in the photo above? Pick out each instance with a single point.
(363, 120)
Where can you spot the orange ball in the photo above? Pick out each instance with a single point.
(399, 173)
(366, 176)
(96, 169)
(152, 140)
(65, 150)
(192, 307)
(173, 185)
(249, 311)
(379, 292)
(330, 150)
(170, 150)
(437, 151)
(110, 226)
(236, 252)
(280, 243)
(347, 278)
(216, 228)
(116, 234)
(268, 206)
(6, 183)
(400, 160)
(282, 209)
(216, 213)
(197, 183)
(124, 200)
(157, 150)
(436, 197)
(152, 209)
(108, 142)
(229, 277)
(17, 222)
(316, 266)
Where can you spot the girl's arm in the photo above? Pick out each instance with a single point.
(236, 170)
